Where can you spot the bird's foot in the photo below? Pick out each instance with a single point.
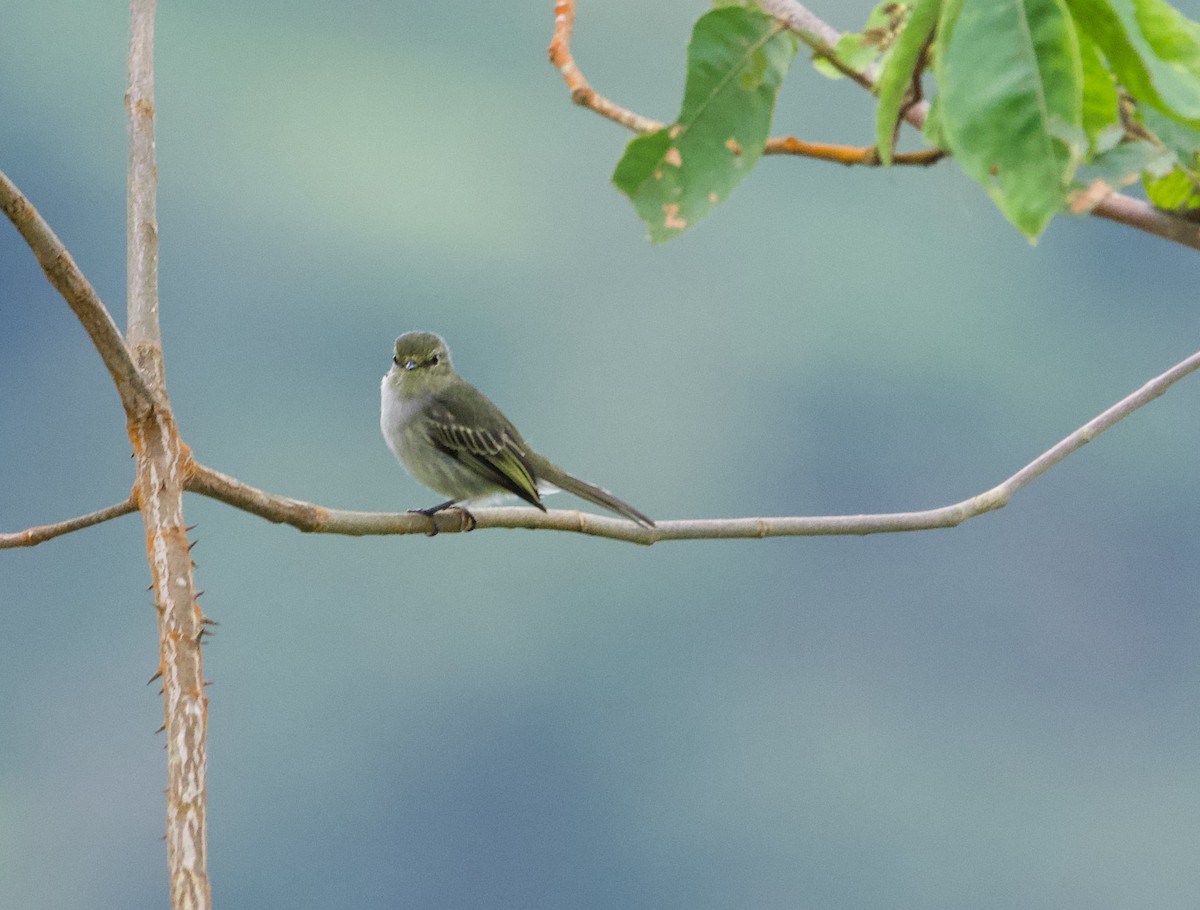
(466, 519)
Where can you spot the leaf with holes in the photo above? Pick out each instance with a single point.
(737, 59)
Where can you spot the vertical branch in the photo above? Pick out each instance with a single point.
(144, 334)
(163, 463)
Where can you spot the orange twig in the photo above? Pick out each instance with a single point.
(581, 92)
(584, 95)
(847, 154)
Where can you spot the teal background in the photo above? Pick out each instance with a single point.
(998, 716)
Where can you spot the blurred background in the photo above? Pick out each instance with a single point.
(998, 716)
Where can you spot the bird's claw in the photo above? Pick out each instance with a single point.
(467, 520)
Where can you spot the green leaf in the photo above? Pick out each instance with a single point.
(737, 59)
(1153, 50)
(1176, 191)
(897, 75)
(934, 134)
(1183, 140)
(1125, 163)
(1176, 186)
(852, 49)
(858, 50)
(1009, 92)
(951, 10)
(1174, 37)
(1100, 111)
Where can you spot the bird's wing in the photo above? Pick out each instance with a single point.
(491, 447)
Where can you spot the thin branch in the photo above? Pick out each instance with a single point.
(849, 154)
(1142, 215)
(312, 518)
(821, 37)
(79, 294)
(1097, 425)
(316, 519)
(33, 536)
(581, 92)
(145, 336)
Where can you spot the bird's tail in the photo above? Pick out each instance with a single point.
(552, 473)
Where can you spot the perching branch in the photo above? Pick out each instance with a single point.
(316, 519)
(822, 39)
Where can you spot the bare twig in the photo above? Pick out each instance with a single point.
(317, 519)
(1142, 215)
(33, 536)
(312, 518)
(79, 294)
(821, 37)
(581, 92)
(848, 154)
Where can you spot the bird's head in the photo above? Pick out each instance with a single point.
(421, 360)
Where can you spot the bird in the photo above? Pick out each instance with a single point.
(451, 437)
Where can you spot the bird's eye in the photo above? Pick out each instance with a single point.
(396, 360)
(434, 359)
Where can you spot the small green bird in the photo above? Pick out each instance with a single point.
(451, 438)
